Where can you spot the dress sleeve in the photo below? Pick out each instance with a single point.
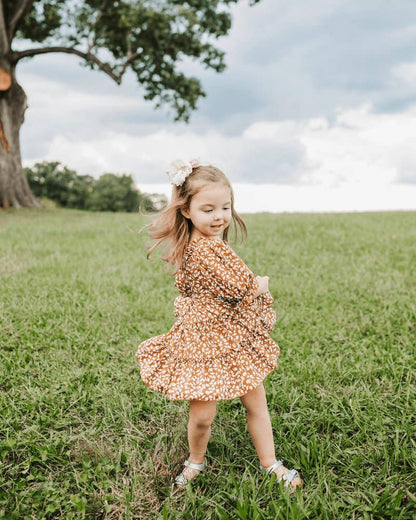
(223, 272)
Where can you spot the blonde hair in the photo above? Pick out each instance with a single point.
(171, 226)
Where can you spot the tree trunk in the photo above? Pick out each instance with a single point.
(14, 188)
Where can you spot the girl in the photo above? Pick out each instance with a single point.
(220, 347)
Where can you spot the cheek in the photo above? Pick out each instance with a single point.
(202, 216)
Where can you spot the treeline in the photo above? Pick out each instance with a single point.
(110, 192)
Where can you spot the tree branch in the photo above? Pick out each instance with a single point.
(4, 43)
(99, 16)
(127, 63)
(20, 12)
(128, 42)
(87, 56)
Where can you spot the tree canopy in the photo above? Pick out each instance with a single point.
(150, 37)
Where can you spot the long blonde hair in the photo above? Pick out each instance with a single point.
(171, 226)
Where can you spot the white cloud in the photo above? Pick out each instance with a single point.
(405, 73)
(69, 106)
(358, 147)
(244, 157)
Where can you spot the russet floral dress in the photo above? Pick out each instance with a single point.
(219, 347)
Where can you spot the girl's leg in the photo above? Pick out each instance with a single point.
(201, 416)
(260, 429)
(259, 425)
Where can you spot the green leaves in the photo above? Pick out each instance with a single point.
(110, 192)
(114, 193)
(42, 22)
(150, 38)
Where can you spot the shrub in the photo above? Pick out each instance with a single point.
(114, 193)
(109, 192)
(60, 184)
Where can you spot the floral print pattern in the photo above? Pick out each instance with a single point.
(219, 347)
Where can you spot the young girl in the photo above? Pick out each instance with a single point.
(220, 347)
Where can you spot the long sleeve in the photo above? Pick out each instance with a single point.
(223, 272)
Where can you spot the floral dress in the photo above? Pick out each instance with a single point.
(219, 347)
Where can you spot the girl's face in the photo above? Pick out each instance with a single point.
(210, 211)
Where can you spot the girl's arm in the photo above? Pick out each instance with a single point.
(263, 282)
(223, 272)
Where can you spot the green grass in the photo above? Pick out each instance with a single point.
(83, 437)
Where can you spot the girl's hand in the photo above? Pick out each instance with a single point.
(263, 285)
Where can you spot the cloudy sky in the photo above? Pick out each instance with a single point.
(316, 110)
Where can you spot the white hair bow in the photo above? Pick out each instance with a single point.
(180, 169)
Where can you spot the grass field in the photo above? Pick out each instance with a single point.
(83, 437)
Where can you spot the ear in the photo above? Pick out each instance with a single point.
(185, 212)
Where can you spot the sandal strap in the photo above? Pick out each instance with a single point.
(181, 480)
(193, 465)
(272, 467)
(289, 476)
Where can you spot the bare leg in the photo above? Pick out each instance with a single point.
(260, 429)
(201, 416)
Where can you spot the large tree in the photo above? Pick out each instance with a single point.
(149, 37)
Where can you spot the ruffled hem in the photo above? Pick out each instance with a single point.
(217, 379)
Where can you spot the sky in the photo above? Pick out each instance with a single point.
(315, 112)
